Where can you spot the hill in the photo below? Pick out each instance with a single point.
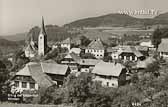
(15, 37)
(163, 16)
(109, 20)
(119, 20)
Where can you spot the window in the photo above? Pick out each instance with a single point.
(16, 83)
(107, 83)
(32, 85)
(112, 84)
(24, 84)
(97, 55)
(40, 37)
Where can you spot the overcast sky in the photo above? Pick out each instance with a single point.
(20, 15)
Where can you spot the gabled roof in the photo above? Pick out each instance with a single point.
(96, 44)
(131, 49)
(43, 80)
(163, 46)
(75, 50)
(25, 70)
(92, 62)
(54, 68)
(74, 56)
(108, 69)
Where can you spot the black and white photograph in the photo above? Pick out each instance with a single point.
(83, 53)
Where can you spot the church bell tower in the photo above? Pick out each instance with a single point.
(42, 40)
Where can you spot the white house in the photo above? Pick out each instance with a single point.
(66, 43)
(109, 74)
(163, 48)
(96, 48)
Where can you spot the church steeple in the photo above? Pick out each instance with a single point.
(42, 40)
(43, 27)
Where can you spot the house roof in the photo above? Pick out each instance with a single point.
(38, 71)
(43, 80)
(108, 69)
(75, 50)
(74, 56)
(53, 68)
(25, 71)
(163, 46)
(89, 62)
(142, 48)
(131, 49)
(96, 44)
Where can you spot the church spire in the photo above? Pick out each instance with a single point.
(43, 27)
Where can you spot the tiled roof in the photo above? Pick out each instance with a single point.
(163, 46)
(74, 56)
(108, 69)
(96, 44)
(43, 80)
(54, 68)
(89, 62)
(25, 70)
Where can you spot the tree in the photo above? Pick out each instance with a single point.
(156, 37)
(84, 41)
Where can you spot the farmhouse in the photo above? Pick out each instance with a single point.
(163, 48)
(110, 74)
(96, 48)
(87, 65)
(40, 76)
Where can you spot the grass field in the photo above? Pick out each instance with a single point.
(29, 105)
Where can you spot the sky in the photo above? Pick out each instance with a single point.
(17, 16)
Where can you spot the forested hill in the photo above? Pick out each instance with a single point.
(54, 33)
(119, 20)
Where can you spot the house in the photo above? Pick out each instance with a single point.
(87, 65)
(114, 52)
(39, 76)
(130, 53)
(147, 43)
(66, 44)
(96, 48)
(163, 48)
(143, 49)
(77, 51)
(109, 74)
(71, 59)
(126, 53)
